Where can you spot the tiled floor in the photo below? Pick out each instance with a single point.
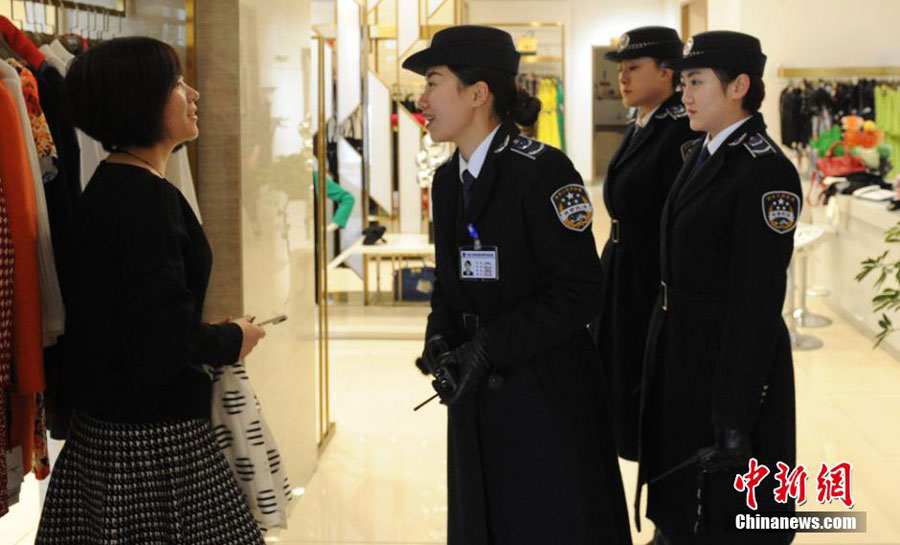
(381, 480)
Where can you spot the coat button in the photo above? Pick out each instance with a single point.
(495, 381)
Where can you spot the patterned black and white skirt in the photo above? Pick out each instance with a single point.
(144, 484)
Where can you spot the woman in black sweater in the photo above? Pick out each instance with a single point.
(141, 464)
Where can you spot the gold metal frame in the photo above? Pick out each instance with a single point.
(840, 72)
(325, 427)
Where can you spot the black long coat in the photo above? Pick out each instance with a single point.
(640, 175)
(533, 461)
(721, 353)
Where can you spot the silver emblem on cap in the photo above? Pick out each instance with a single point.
(624, 40)
(688, 45)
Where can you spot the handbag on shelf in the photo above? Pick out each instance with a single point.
(244, 438)
(831, 166)
(414, 283)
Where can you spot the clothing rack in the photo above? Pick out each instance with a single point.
(119, 11)
(840, 72)
(91, 22)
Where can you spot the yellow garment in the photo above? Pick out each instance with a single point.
(887, 116)
(548, 120)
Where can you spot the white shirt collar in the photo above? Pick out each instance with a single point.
(476, 161)
(715, 143)
(641, 122)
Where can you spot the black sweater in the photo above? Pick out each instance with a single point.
(141, 267)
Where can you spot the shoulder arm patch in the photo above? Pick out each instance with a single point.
(687, 148)
(759, 146)
(781, 210)
(573, 207)
(527, 147)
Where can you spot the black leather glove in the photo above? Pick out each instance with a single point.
(446, 378)
(732, 448)
(435, 348)
(474, 366)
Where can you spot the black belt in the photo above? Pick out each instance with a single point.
(635, 232)
(470, 324)
(690, 302)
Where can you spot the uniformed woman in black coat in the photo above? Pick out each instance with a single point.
(530, 459)
(637, 183)
(719, 377)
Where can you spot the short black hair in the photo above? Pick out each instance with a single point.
(511, 102)
(117, 91)
(754, 98)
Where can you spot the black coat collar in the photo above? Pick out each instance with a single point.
(484, 184)
(687, 187)
(642, 136)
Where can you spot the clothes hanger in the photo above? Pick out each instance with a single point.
(6, 50)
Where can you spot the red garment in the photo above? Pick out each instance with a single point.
(4, 500)
(20, 43)
(27, 328)
(7, 259)
(420, 118)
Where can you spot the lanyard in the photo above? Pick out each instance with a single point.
(473, 233)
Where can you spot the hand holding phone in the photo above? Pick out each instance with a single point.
(275, 320)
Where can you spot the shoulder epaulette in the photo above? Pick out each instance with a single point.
(677, 111)
(759, 146)
(527, 147)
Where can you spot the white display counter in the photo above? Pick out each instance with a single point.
(856, 234)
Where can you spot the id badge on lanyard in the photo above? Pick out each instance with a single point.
(478, 263)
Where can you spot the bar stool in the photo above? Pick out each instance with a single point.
(806, 237)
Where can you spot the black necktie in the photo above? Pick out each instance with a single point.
(704, 155)
(468, 185)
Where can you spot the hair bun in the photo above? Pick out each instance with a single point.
(527, 108)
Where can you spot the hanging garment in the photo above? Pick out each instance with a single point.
(40, 455)
(887, 117)
(548, 122)
(7, 258)
(48, 158)
(561, 109)
(53, 60)
(62, 195)
(20, 43)
(4, 480)
(178, 172)
(18, 189)
(52, 309)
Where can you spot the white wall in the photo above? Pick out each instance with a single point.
(801, 33)
(588, 23)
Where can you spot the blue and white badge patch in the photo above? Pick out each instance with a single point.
(780, 210)
(758, 146)
(573, 207)
(527, 147)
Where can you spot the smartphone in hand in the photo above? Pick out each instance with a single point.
(273, 321)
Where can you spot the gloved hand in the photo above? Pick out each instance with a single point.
(446, 377)
(732, 448)
(435, 347)
(474, 366)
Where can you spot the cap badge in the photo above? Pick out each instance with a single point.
(624, 40)
(688, 45)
